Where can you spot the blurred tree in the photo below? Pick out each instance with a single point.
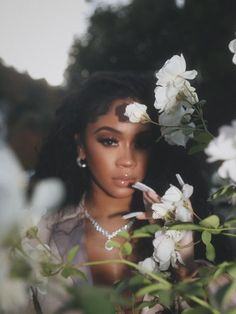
(142, 35)
(30, 105)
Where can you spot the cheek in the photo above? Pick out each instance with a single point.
(99, 161)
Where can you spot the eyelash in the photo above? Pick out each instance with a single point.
(108, 141)
(140, 143)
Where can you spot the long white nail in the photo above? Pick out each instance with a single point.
(131, 215)
(142, 187)
(180, 180)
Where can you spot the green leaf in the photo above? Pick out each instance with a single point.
(195, 288)
(196, 148)
(114, 244)
(72, 253)
(202, 137)
(148, 304)
(231, 270)
(124, 234)
(69, 271)
(96, 300)
(197, 310)
(152, 288)
(230, 223)
(231, 311)
(210, 252)
(50, 269)
(138, 281)
(206, 237)
(223, 192)
(166, 297)
(225, 293)
(126, 249)
(212, 221)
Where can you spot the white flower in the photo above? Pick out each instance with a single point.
(13, 293)
(136, 113)
(180, 200)
(173, 90)
(48, 194)
(166, 97)
(160, 210)
(223, 148)
(175, 126)
(36, 254)
(148, 265)
(232, 48)
(13, 184)
(174, 69)
(175, 201)
(165, 252)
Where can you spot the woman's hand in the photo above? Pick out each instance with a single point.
(149, 197)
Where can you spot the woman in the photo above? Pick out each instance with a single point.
(99, 155)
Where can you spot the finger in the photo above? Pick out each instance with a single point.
(151, 197)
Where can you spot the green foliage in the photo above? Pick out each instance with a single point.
(212, 221)
(50, 269)
(224, 192)
(114, 244)
(92, 300)
(126, 249)
(200, 142)
(69, 271)
(197, 310)
(72, 253)
(210, 250)
(153, 288)
(124, 234)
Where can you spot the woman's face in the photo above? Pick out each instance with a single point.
(116, 151)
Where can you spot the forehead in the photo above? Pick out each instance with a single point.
(115, 117)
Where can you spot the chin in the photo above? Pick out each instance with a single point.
(123, 193)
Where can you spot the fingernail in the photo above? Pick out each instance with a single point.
(153, 194)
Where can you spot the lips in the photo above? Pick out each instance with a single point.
(124, 181)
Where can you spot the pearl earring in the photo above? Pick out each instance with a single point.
(81, 162)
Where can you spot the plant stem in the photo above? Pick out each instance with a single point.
(131, 264)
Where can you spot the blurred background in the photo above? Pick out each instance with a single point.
(48, 47)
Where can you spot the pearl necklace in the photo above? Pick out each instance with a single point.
(104, 232)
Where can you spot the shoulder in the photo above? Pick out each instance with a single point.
(63, 221)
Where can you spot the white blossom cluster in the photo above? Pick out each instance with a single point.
(174, 206)
(174, 100)
(17, 216)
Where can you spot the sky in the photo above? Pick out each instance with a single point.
(36, 35)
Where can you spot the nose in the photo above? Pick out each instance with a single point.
(126, 158)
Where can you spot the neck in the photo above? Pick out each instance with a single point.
(104, 206)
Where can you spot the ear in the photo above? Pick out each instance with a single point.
(80, 147)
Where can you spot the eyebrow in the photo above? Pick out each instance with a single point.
(107, 128)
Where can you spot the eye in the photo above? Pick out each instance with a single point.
(108, 141)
